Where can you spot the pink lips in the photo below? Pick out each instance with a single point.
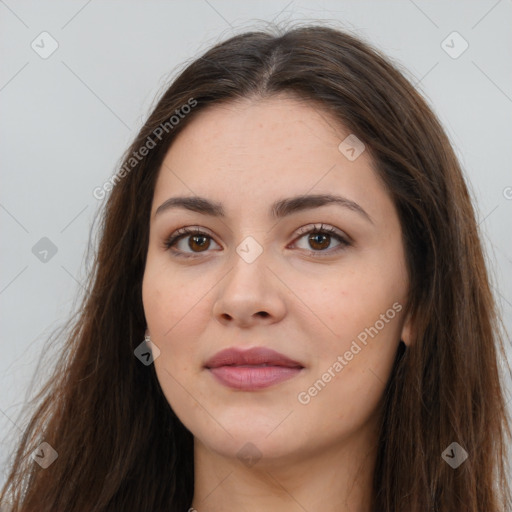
(252, 369)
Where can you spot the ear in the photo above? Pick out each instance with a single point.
(407, 330)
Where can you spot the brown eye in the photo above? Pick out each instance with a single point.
(188, 242)
(319, 241)
(198, 243)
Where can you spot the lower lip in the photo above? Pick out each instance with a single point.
(250, 378)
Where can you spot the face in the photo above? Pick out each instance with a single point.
(321, 283)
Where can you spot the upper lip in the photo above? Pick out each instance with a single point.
(252, 356)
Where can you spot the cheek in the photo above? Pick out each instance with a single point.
(172, 310)
(348, 380)
(168, 298)
(361, 317)
(344, 305)
(176, 314)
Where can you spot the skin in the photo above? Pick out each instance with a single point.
(306, 305)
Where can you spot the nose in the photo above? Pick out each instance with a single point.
(249, 294)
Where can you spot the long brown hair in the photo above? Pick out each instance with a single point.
(119, 444)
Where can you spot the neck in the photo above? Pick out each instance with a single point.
(337, 479)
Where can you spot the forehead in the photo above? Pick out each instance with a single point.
(252, 152)
(275, 129)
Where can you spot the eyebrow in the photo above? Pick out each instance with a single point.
(278, 210)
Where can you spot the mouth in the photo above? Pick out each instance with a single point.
(252, 369)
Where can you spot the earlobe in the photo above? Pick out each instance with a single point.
(406, 334)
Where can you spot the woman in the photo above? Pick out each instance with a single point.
(291, 235)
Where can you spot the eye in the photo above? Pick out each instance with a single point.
(320, 238)
(198, 241)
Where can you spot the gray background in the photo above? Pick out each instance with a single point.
(66, 120)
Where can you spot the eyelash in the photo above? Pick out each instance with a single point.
(329, 230)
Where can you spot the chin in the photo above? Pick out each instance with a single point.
(251, 448)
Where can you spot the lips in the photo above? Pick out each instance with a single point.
(251, 369)
(258, 356)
